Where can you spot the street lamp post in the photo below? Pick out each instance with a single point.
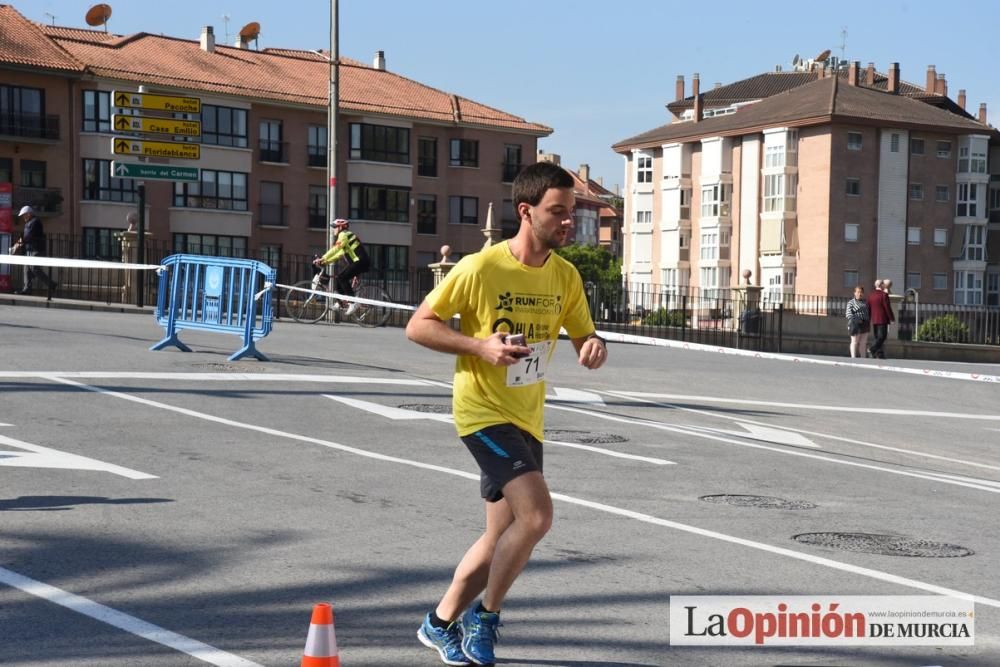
(331, 126)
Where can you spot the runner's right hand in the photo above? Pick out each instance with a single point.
(498, 353)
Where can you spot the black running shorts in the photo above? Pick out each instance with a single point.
(503, 452)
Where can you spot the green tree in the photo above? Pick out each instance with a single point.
(595, 263)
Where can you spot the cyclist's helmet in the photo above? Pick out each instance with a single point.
(340, 223)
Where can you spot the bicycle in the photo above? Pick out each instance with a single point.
(308, 307)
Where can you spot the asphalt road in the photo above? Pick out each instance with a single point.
(174, 509)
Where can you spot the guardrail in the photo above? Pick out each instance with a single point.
(215, 294)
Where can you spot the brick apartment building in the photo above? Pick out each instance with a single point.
(417, 167)
(815, 180)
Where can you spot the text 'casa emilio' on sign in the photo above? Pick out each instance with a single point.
(128, 146)
(172, 103)
(172, 127)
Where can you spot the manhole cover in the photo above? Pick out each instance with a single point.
(764, 502)
(435, 408)
(883, 545)
(240, 368)
(582, 437)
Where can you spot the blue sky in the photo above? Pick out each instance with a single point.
(596, 72)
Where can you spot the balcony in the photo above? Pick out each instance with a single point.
(317, 218)
(272, 215)
(317, 156)
(510, 171)
(45, 201)
(273, 151)
(30, 126)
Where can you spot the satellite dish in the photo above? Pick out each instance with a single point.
(98, 15)
(249, 31)
(823, 56)
(796, 60)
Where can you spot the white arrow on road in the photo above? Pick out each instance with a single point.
(36, 456)
(776, 436)
(395, 414)
(565, 395)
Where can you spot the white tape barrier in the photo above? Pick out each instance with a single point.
(681, 345)
(344, 297)
(62, 262)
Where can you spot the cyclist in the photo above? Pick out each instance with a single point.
(347, 245)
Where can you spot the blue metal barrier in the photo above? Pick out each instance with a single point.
(215, 294)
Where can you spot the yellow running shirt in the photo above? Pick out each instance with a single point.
(492, 291)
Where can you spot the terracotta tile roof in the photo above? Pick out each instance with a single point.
(280, 75)
(819, 102)
(765, 85)
(23, 43)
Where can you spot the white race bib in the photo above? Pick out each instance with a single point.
(530, 369)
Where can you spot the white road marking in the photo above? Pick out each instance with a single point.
(611, 452)
(566, 395)
(131, 624)
(838, 438)
(44, 457)
(807, 406)
(214, 377)
(638, 516)
(684, 430)
(390, 412)
(763, 433)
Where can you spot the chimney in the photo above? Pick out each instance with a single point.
(893, 78)
(696, 91)
(931, 85)
(679, 88)
(852, 73)
(982, 113)
(208, 39)
(600, 181)
(941, 85)
(961, 98)
(584, 173)
(379, 62)
(870, 75)
(718, 84)
(241, 43)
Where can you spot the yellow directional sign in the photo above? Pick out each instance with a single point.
(129, 146)
(174, 103)
(186, 128)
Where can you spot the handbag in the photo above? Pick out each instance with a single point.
(17, 249)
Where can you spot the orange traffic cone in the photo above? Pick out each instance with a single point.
(321, 644)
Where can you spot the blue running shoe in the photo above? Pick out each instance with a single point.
(480, 630)
(447, 642)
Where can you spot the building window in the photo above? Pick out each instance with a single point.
(98, 184)
(940, 237)
(511, 162)
(210, 244)
(968, 288)
(270, 254)
(317, 206)
(224, 126)
(774, 156)
(643, 217)
(851, 278)
(941, 193)
(917, 191)
(464, 153)
(427, 161)
(916, 146)
(32, 174)
(854, 141)
(271, 146)
(463, 210)
(912, 280)
(853, 187)
(97, 111)
(779, 192)
(967, 200)
(975, 243)
(971, 160)
(226, 190)
(426, 214)
(851, 232)
(316, 146)
(644, 169)
(380, 143)
(939, 281)
(893, 143)
(714, 201)
(944, 149)
(100, 243)
(709, 248)
(22, 113)
(913, 236)
(391, 258)
(271, 207)
(6, 170)
(379, 202)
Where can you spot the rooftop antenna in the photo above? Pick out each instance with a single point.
(250, 31)
(796, 60)
(225, 21)
(51, 16)
(843, 42)
(98, 15)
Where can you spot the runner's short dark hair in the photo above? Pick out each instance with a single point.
(532, 182)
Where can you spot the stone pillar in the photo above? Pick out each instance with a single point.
(492, 233)
(441, 269)
(746, 302)
(129, 240)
